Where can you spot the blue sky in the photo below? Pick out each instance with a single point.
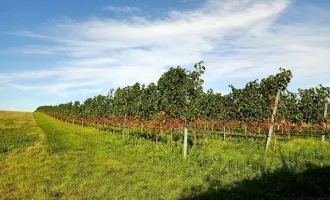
(59, 51)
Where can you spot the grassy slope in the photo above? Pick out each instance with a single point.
(48, 159)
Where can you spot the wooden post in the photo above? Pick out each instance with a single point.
(224, 133)
(185, 142)
(323, 138)
(325, 117)
(271, 126)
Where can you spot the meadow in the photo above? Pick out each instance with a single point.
(44, 158)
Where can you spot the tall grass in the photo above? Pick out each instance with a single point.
(70, 162)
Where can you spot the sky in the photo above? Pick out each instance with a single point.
(53, 52)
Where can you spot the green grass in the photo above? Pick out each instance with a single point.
(16, 131)
(49, 159)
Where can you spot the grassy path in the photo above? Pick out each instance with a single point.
(43, 158)
(66, 161)
(22, 155)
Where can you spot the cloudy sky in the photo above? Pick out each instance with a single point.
(58, 51)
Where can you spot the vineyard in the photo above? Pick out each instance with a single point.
(177, 105)
(44, 158)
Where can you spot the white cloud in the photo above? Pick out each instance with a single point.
(121, 9)
(2, 77)
(56, 87)
(87, 91)
(236, 39)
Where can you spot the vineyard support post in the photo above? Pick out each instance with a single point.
(185, 142)
(271, 126)
(325, 117)
(224, 133)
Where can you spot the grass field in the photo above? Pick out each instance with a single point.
(43, 158)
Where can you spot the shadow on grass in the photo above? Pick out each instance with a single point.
(313, 183)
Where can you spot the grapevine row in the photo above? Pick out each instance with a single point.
(178, 100)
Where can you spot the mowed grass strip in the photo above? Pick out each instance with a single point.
(84, 163)
(65, 161)
(17, 131)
